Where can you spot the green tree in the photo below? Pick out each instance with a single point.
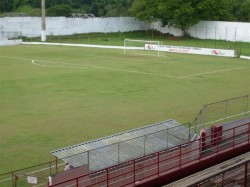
(244, 12)
(117, 7)
(94, 8)
(36, 3)
(59, 10)
(182, 14)
(178, 13)
(6, 5)
(145, 10)
(215, 10)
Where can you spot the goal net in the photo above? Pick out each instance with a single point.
(141, 47)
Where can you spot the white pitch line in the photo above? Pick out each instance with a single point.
(88, 66)
(72, 65)
(99, 67)
(122, 70)
(133, 71)
(18, 58)
(210, 72)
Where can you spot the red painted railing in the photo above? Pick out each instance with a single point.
(152, 166)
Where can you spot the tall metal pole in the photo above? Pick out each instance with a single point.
(43, 32)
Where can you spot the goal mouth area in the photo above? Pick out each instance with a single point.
(141, 47)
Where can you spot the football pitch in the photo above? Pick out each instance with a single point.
(55, 96)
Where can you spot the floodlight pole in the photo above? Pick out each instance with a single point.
(43, 32)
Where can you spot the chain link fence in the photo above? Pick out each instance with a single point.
(221, 112)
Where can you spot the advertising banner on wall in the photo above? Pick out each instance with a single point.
(191, 50)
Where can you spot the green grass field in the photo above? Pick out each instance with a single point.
(55, 96)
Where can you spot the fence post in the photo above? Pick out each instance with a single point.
(189, 135)
(50, 168)
(107, 177)
(167, 138)
(215, 36)
(88, 160)
(203, 112)
(200, 147)
(56, 166)
(225, 39)
(134, 170)
(226, 111)
(248, 132)
(77, 184)
(217, 143)
(206, 37)
(246, 110)
(196, 36)
(245, 178)
(158, 164)
(118, 152)
(233, 137)
(13, 180)
(179, 156)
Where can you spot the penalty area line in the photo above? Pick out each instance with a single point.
(36, 62)
(96, 67)
(57, 66)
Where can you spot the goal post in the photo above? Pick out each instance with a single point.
(142, 47)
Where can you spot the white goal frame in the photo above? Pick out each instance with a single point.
(157, 43)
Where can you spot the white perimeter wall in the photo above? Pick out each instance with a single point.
(31, 26)
(218, 30)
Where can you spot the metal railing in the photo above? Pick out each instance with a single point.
(41, 172)
(228, 110)
(115, 153)
(163, 162)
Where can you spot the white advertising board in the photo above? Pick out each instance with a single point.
(31, 180)
(191, 50)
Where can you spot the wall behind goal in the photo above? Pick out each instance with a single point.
(217, 30)
(31, 27)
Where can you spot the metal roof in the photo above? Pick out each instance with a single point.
(104, 152)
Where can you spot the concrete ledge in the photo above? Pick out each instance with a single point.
(245, 57)
(82, 45)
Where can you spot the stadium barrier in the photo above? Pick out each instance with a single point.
(139, 171)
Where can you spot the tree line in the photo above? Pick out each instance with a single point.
(178, 13)
(184, 13)
(99, 8)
